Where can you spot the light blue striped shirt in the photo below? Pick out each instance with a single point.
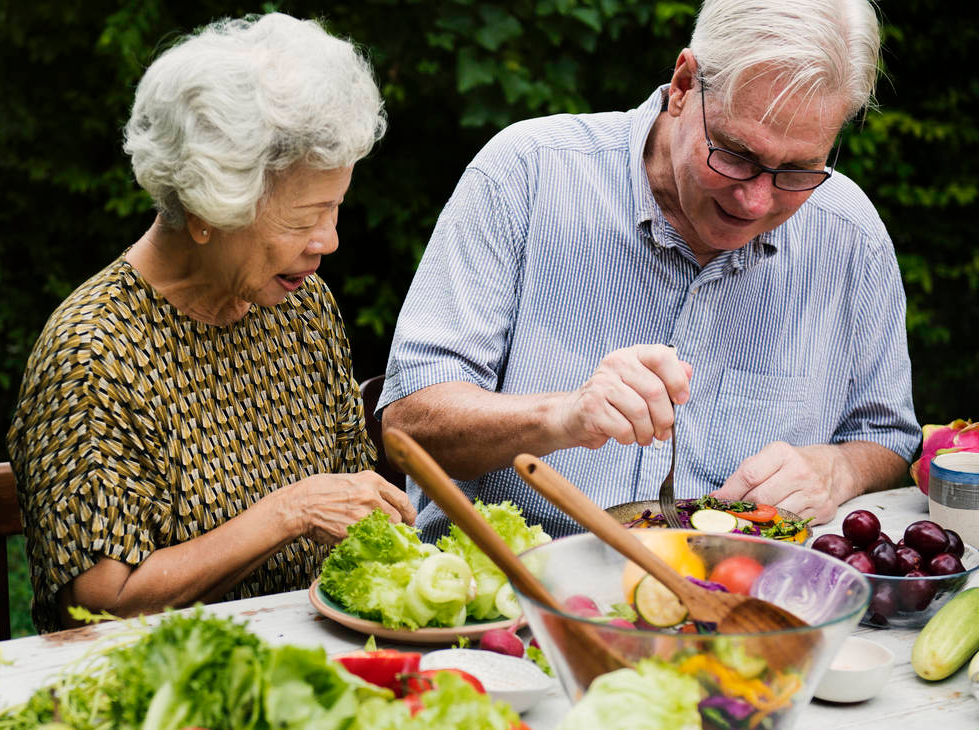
(552, 253)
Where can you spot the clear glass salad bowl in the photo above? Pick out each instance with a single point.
(743, 680)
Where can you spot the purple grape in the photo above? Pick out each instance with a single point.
(884, 601)
(945, 564)
(927, 537)
(835, 545)
(908, 559)
(861, 527)
(861, 561)
(885, 559)
(916, 594)
(955, 544)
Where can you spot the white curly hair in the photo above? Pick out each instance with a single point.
(216, 116)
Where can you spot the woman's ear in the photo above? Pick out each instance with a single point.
(198, 229)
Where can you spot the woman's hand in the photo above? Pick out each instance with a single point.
(323, 505)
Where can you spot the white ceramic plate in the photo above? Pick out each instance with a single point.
(441, 636)
(519, 682)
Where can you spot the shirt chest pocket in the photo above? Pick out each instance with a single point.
(753, 410)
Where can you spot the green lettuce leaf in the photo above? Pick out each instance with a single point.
(368, 571)
(653, 696)
(304, 691)
(454, 703)
(507, 521)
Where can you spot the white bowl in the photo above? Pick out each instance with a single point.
(519, 682)
(859, 671)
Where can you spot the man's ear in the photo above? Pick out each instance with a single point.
(683, 82)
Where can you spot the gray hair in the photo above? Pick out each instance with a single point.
(218, 114)
(812, 47)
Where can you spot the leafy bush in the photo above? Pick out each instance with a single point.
(452, 74)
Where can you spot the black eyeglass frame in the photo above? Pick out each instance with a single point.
(711, 149)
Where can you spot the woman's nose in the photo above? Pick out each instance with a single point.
(324, 239)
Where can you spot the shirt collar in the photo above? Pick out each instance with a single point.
(648, 215)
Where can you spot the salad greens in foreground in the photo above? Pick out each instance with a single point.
(194, 670)
(383, 571)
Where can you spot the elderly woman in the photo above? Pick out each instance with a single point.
(189, 428)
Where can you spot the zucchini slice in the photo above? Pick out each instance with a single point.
(713, 520)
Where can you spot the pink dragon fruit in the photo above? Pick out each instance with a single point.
(959, 435)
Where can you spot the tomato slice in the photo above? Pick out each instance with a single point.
(416, 683)
(382, 667)
(761, 513)
(414, 703)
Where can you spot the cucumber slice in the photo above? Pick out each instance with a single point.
(506, 602)
(443, 577)
(657, 605)
(713, 520)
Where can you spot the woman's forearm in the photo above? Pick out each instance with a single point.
(202, 569)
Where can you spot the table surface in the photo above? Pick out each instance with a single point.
(289, 618)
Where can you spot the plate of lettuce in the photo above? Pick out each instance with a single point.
(383, 580)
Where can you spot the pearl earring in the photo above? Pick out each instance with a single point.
(203, 231)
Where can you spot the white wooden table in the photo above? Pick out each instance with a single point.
(288, 618)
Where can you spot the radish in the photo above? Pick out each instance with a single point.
(581, 606)
(503, 641)
(621, 623)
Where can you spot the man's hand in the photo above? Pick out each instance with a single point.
(628, 398)
(813, 481)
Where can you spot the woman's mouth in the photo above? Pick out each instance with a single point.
(291, 282)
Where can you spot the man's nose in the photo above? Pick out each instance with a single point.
(756, 195)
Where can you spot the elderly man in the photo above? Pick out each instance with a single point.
(591, 273)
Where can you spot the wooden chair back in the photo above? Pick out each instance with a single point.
(10, 524)
(370, 391)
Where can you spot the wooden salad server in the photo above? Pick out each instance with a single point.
(732, 612)
(587, 654)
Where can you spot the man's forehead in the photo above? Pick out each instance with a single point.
(764, 104)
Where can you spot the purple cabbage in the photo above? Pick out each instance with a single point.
(807, 584)
(736, 709)
(708, 584)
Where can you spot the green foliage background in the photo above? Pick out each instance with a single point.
(452, 73)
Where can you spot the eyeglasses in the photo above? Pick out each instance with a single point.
(738, 167)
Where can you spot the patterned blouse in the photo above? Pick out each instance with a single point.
(139, 428)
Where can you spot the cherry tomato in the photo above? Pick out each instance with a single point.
(381, 667)
(416, 683)
(761, 513)
(736, 573)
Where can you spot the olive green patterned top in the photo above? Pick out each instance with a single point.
(139, 427)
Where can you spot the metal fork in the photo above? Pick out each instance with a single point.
(667, 503)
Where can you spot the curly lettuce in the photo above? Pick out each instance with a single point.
(507, 521)
(383, 572)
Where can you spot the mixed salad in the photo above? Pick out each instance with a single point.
(383, 571)
(691, 691)
(718, 515)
